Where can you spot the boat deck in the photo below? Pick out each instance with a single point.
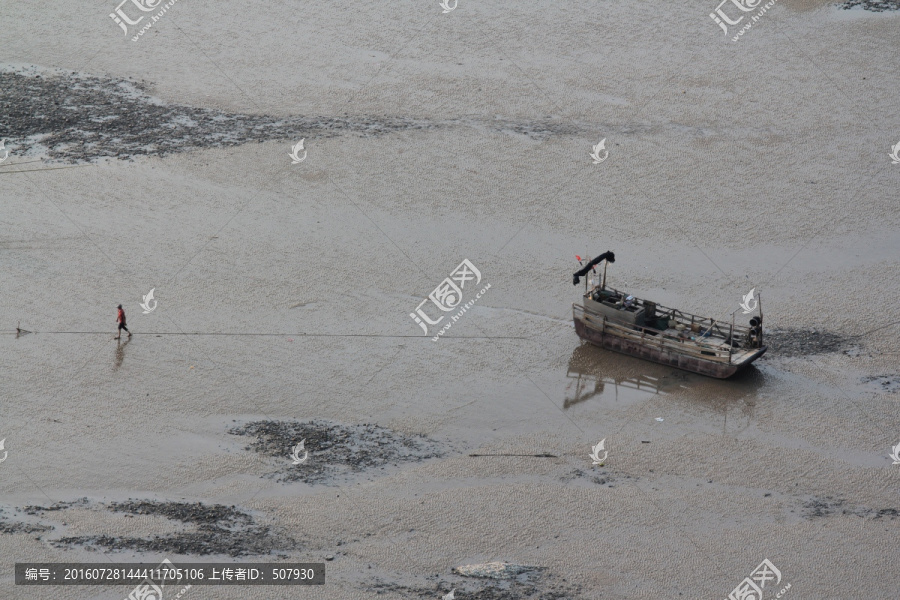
(713, 342)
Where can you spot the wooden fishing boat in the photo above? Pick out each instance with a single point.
(614, 320)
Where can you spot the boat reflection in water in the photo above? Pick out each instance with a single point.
(613, 381)
(586, 371)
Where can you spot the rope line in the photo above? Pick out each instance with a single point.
(45, 169)
(374, 335)
(542, 455)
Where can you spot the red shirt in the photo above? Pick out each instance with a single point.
(120, 317)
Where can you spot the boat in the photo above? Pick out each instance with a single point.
(614, 320)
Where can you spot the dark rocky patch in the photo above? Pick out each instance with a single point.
(40, 510)
(216, 515)
(536, 585)
(604, 477)
(335, 450)
(219, 529)
(214, 529)
(827, 506)
(883, 383)
(210, 540)
(803, 342)
(78, 117)
(10, 527)
(873, 5)
(821, 507)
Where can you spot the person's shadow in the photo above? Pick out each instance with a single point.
(120, 352)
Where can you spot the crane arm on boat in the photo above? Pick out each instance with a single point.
(607, 256)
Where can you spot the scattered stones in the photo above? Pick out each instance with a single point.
(335, 450)
(873, 5)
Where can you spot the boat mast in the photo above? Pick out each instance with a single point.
(603, 286)
(731, 337)
(586, 277)
(759, 303)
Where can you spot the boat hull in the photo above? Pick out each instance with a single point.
(663, 356)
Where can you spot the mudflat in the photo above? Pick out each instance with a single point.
(277, 402)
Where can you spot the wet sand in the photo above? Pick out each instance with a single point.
(284, 293)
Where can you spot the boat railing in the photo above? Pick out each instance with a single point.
(639, 334)
(705, 324)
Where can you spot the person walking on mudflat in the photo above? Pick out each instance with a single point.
(120, 319)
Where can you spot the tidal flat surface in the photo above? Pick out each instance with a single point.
(283, 293)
